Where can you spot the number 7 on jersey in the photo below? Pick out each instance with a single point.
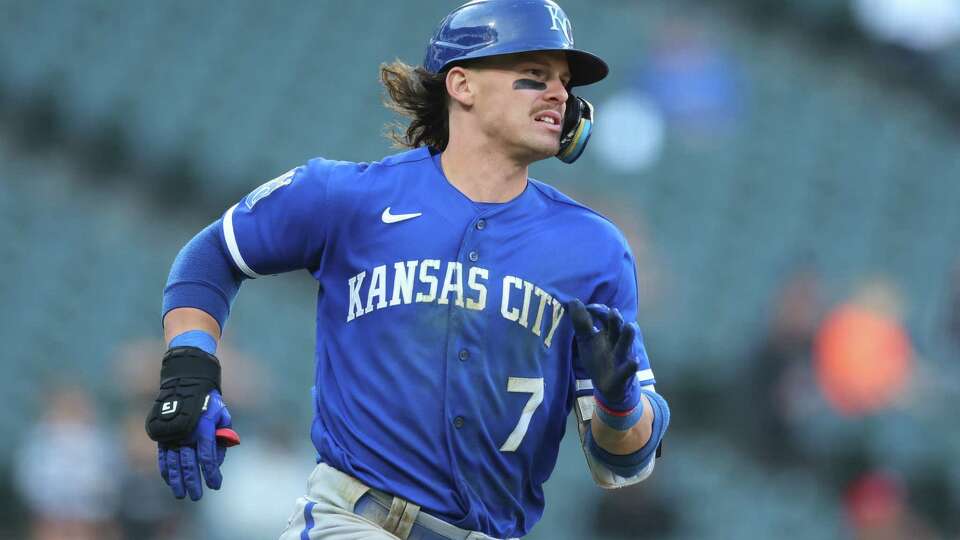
(529, 386)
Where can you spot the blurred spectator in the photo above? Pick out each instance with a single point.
(631, 137)
(878, 508)
(779, 375)
(693, 80)
(922, 25)
(953, 305)
(65, 471)
(863, 357)
(687, 83)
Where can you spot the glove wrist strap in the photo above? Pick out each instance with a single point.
(628, 400)
(190, 362)
(618, 420)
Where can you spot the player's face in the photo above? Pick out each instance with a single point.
(521, 102)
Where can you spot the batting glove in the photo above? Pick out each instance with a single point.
(605, 351)
(190, 422)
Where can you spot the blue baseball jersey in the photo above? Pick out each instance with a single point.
(445, 360)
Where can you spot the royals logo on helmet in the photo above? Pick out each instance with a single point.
(560, 22)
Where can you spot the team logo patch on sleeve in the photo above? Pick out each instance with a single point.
(266, 189)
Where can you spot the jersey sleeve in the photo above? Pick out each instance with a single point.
(281, 225)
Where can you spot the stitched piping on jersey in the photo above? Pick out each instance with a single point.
(642, 375)
(230, 237)
(308, 521)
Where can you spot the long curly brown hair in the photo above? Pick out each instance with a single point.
(420, 95)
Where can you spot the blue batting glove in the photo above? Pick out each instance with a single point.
(181, 464)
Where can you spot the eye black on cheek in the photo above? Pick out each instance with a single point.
(528, 84)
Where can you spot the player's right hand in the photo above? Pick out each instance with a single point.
(190, 422)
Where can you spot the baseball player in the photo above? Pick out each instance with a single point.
(463, 308)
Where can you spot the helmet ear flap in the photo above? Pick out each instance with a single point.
(577, 126)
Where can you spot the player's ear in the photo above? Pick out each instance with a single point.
(460, 86)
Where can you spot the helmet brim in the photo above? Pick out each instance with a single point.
(585, 68)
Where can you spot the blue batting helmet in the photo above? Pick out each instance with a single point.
(484, 28)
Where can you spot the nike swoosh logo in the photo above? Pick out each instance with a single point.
(387, 217)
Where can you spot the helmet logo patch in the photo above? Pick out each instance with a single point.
(560, 22)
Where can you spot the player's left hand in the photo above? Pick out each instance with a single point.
(605, 352)
(181, 464)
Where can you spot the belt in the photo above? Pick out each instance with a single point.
(405, 520)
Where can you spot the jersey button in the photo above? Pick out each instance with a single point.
(458, 422)
(474, 256)
(481, 224)
(464, 355)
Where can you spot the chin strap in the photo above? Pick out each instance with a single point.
(577, 126)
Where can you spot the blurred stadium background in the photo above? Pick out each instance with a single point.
(788, 174)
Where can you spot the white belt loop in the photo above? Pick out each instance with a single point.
(406, 520)
(397, 508)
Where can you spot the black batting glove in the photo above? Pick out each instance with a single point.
(187, 375)
(604, 343)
